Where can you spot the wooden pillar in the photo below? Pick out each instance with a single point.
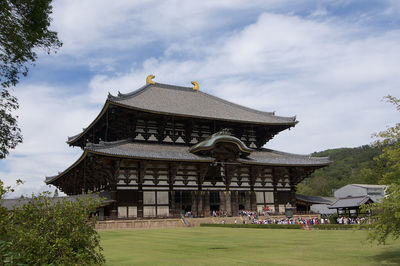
(172, 207)
(292, 183)
(200, 203)
(222, 200)
(194, 202)
(248, 201)
(254, 173)
(141, 173)
(274, 183)
(228, 203)
(202, 171)
(253, 201)
(207, 203)
(114, 206)
(172, 170)
(235, 203)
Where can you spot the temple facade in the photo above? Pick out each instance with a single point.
(164, 149)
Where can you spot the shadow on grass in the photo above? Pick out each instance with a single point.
(219, 248)
(388, 256)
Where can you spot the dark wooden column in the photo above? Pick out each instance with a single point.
(248, 200)
(206, 201)
(172, 171)
(275, 178)
(235, 202)
(230, 171)
(202, 171)
(194, 202)
(141, 173)
(228, 204)
(254, 173)
(114, 172)
(292, 183)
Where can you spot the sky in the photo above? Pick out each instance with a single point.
(329, 63)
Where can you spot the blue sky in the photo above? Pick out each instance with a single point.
(330, 63)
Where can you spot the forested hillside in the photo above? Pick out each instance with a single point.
(350, 165)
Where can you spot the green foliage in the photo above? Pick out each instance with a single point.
(10, 134)
(24, 28)
(258, 226)
(47, 230)
(350, 165)
(386, 215)
(389, 159)
(338, 227)
(333, 218)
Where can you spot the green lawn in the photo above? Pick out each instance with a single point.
(229, 246)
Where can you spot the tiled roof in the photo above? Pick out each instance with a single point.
(369, 186)
(315, 199)
(184, 101)
(271, 157)
(152, 151)
(168, 152)
(349, 202)
(126, 148)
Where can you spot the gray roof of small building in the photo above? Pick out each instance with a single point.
(315, 199)
(184, 101)
(350, 202)
(369, 186)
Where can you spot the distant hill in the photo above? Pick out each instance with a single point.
(350, 165)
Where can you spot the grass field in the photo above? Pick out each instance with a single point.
(229, 246)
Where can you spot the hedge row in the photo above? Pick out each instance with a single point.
(259, 226)
(339, 226)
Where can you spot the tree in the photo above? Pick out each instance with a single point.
(386, 215)
(24, 29)
(10, 134)
(48, 230)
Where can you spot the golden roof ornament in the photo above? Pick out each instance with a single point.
(149, 79)
(196, 85)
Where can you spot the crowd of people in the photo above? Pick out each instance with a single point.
(305, 221)
(252, 217)
(349, 220)
(219, 213)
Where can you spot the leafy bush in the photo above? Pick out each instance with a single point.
(48, 230)
(333, 218)
(338, 226)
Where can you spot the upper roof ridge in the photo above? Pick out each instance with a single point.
(123, 96)
(187, 102)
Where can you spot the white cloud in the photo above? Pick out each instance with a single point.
(46, 119)
(330, 74)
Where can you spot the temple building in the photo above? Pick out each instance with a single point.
(164, 149)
